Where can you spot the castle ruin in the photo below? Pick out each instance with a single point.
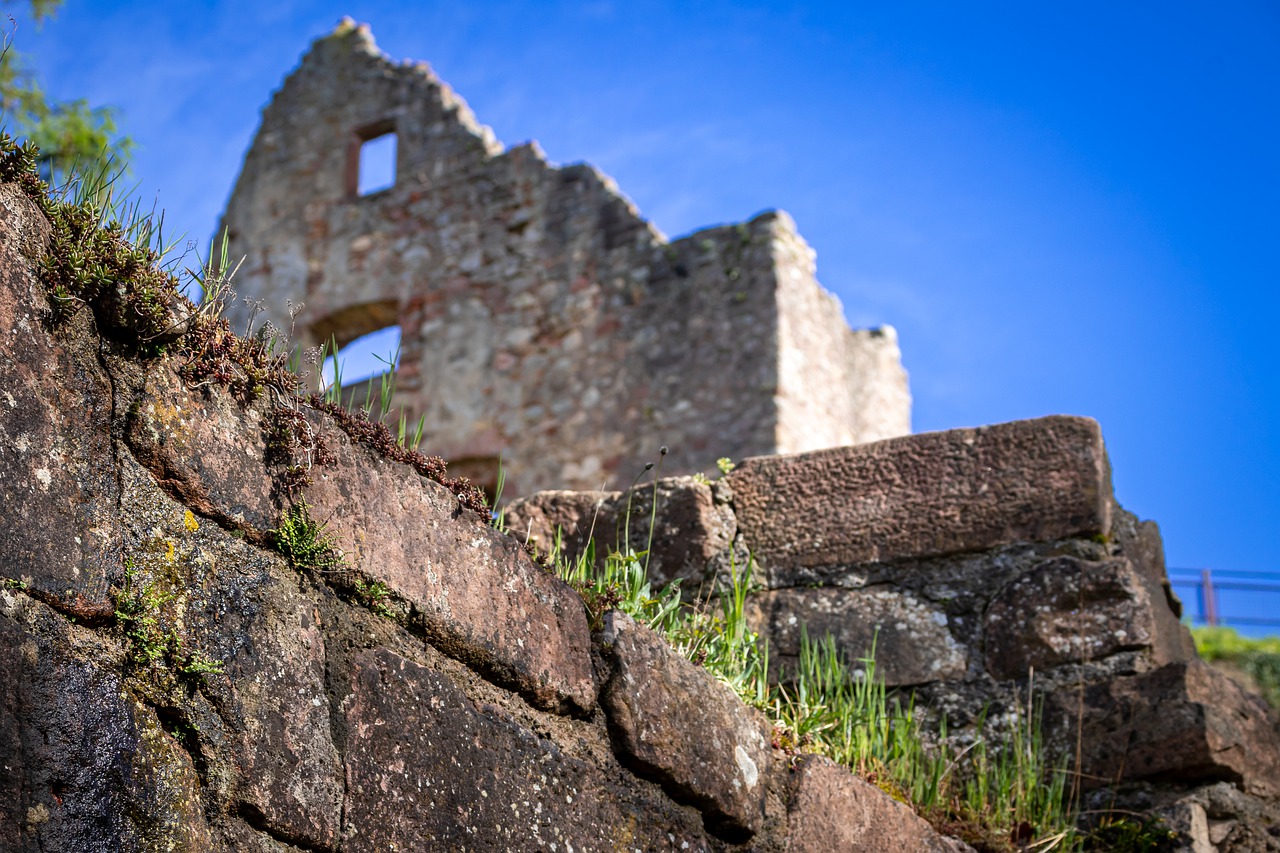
(542, 320)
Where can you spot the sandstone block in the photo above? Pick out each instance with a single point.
(924, 495)
(427, 769)
(472, 590)
(676, 723)
(912, 642)
(1181, 722)
(205, 450)
(1068, 610)
(690, 530)
(830, 810)
(57, 481)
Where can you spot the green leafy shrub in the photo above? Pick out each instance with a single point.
(1258, 657)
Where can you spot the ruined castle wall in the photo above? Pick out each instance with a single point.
(817, 353)
(541, 318)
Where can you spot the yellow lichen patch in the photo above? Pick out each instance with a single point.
(167, 420)
(189, 521)
(170, 552)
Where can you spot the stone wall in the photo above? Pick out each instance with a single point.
(541, 318)
(982, 566)
(169, 682)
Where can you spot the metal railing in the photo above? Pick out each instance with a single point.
(1215, 597)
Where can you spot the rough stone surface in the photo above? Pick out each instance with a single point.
(85, 765)
(692, 530)
(542, 319)
(204, 450)
(922, 495)
(1141, 543)
(1067, 610)
(268, 714)
(676, 723)
(832, 810)
(911, 641)
(57, 475)
(473, 591)
(1184, 721)
(427, 769)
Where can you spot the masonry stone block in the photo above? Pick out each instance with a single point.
(1183, 722)
(924, 495)
(429, 769)
(57, 481)
(692, 531)
(910, 638)
(676, 723)
(85, 765)
(472, 590)
(1067, 610)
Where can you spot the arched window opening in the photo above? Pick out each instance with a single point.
(482, 471)
(364, 371)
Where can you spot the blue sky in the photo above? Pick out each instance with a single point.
(1061, 210)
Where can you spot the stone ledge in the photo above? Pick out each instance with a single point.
(472, 590)
(926, 495)
(675, 722)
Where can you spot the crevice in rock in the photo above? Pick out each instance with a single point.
(185, 491)
(178, 725)
(254, 817)
(714, 820)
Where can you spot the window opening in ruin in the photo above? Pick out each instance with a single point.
(377, 169)
(371, 159)
(367, 357)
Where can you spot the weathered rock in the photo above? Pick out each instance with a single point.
(1141, 542)
(929, 494)
(691, 531)
(205, 450)
(910, 637)
(85, 765)
(472, 590)
(57, 474)
(427, 769)
(677, 723)
(832, 811)
(242, 608)
(1067, 610)
(1181, 722)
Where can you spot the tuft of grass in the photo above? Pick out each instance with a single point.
(1005, 795)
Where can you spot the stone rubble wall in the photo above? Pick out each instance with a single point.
(981, 565)
(542, 319)
(465, 706)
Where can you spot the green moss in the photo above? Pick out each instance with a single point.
(145, 611)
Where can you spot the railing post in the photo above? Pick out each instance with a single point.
(1208, 598)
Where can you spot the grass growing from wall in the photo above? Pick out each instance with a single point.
(997, 796)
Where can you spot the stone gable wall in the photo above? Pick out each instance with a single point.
(542, 318)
